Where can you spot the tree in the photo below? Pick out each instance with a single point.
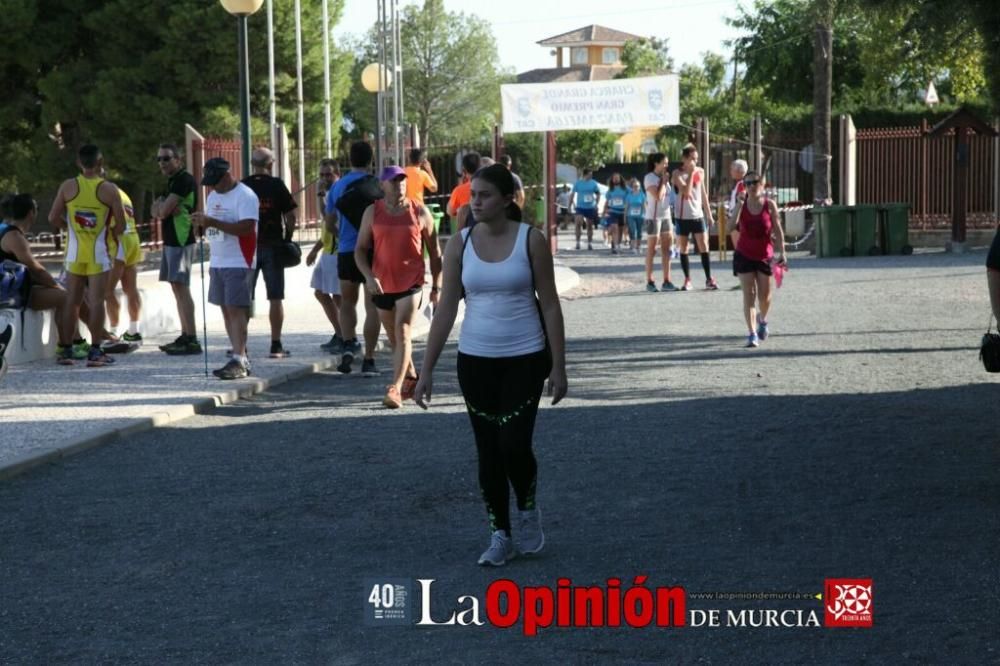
(128, 89)
(884, 53)
(645, 57)
(451, 73)
(964, 30)
(585, 148)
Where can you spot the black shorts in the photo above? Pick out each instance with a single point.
(616, 218)
(993, 258)
(274, 274)
(688, 227)
(588, 214)
(742, 264)
(388, 301)
(347, 268)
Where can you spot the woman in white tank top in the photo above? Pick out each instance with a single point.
(508, 345)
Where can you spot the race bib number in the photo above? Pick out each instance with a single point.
(617, 202)
(588, 199)
(212, 232)
(635, 211)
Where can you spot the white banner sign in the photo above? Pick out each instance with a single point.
(617, 104)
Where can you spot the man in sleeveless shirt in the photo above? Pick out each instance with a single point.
(398, 228)
(85, 206)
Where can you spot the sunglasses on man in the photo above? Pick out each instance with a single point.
(164, 158)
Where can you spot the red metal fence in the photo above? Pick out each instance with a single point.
(905, 164)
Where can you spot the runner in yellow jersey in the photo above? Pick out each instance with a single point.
(127, 255)
(85, 206)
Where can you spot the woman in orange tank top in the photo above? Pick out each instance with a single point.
(398, 229)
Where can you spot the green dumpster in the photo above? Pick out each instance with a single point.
(540, 212)
(865, 230)
(435, 211)
(833, 230)
(896, 228)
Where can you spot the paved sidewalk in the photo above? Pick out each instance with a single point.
(48, 411)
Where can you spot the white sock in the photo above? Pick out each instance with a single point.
(133, 327)
(244, 361)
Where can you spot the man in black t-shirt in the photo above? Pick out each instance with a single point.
(173, 208)
(276, 225)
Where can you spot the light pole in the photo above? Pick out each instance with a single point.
(375, 79)
(241, 9)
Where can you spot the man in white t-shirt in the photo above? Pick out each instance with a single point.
(230, 225)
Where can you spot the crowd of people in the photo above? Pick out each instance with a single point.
(375, 235)
(378, 245)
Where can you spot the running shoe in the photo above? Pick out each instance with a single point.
(711, 284)
(277, 351)
(133, 337)
(189, 347)
(578, 245)
(64, 355)
(334, 346)
(96, 358)
(368, 368)
(651, 287)
(614, 250)
(409, 387)
(687, 285)
(5, 337)
(81, 348)
(232, 370)
(181, 339)
(752, 340)
(530, 537)
(762, 331)
(668, 286)
(590, 246)
(392, 399)
(345, 362)
(500, 552)
(116, 347)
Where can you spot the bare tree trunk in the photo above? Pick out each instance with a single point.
(822, 99)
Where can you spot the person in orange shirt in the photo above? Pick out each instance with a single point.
(462, 194)
(419, 175)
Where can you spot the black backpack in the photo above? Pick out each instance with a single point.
(356, 198)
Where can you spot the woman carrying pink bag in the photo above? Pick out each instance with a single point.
(759, 226)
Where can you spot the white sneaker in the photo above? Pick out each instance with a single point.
(530, 537)
(501, 550)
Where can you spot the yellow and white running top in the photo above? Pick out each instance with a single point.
(126, 249)
(87, 221)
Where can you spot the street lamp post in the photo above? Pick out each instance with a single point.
(375, 79)
(241, 9)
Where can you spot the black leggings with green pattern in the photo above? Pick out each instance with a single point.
(501, 396)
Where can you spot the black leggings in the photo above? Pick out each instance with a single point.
(501, 396)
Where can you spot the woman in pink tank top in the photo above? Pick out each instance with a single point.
(759, 226)
(398, 229)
